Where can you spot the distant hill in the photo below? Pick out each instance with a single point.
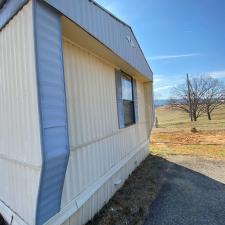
(160, 102)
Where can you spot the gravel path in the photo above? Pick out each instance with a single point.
(193, 193)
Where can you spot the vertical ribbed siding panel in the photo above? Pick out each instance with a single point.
(142, 102)
(20, 147)
(89, 95)
(17, 79)
(149, 105)
(135, 100)
(97, 144)
(113, 33)
(94, 204)
(52, 106)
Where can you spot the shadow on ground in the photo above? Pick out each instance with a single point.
(160, 192)
(187, 197)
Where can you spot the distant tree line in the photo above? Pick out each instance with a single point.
(198, 96)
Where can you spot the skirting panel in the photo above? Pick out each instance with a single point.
(86, 209)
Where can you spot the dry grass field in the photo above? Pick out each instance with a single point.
(174, 136)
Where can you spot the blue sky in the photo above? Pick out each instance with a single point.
(177, 37)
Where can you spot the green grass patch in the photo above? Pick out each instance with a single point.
(170, 118)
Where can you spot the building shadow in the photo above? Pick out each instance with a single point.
(186, 197)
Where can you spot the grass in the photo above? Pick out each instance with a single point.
(170, 118)
(173, 137)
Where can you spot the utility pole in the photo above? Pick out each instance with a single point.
(189, 98)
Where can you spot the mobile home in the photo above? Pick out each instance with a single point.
(76, 109)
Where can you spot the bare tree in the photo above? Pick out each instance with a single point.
(198, 90)
(188, 97)
(214, 95)
(179, 99)
(198, 95)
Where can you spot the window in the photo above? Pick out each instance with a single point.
(128, 100)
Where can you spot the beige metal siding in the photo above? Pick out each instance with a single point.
(20, 148)
(149, 105)
(100, 196)
(97, 145)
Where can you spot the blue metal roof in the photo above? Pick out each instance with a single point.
(98, 22)
(8, 8)
(2, 2)
(108, 29)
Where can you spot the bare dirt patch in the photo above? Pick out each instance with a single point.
(205, 143)
(183, 137)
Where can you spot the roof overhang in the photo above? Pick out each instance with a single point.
(109, 31)
(100, 24)
(77, 35)
(2, 2)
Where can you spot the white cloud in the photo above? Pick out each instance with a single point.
(163, 88)
(162, 57)
(157, 80)
(163, 84)
(217, 74)
(160, 77)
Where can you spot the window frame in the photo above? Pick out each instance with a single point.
(125, 76)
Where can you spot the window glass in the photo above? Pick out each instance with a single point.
(127, 92)
(128, 112)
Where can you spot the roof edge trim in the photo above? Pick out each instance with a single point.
(107, 29)
(9, 9)
(124, 23)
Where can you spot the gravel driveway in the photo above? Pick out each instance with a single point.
(193, 193)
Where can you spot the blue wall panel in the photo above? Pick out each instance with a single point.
(52, 106)
(9, 9)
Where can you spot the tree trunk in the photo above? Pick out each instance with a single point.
(194, 117)
(209, 115)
